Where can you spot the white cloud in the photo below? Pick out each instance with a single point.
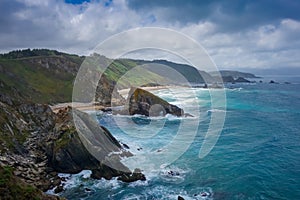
(79, 28)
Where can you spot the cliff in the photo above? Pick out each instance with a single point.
(37, 144)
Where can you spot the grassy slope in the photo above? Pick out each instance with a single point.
(37, 83)
(52, 85)
(124, 72)
(42, 85)
(12, 187)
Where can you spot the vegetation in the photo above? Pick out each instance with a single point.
(47, 76)
(26, 53)
(36, 83)
(12, 187)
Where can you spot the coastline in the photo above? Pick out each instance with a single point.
(79, 106)
(95, 106)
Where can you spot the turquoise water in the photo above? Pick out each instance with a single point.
(257, 155)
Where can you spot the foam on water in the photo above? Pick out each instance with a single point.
(216, 110)
(236, 168)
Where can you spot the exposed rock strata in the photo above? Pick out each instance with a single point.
(38, 144)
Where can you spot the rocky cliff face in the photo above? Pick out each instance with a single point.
(57, 64)
(145, 103)
(23, 130)
(38, 144)
(106, 95)
(91, 147)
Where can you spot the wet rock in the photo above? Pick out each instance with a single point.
(136, 175)
(125, 146)
(58, 189)
(273, 82)
(106, 109)
(180, 198)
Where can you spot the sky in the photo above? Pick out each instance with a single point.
(243, 34)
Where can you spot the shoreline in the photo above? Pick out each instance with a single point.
(80, 106)
(95, 106)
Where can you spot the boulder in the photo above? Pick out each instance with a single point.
(273, 82)
(131, 177)
(145, 103)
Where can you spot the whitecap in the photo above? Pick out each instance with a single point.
(215, 110)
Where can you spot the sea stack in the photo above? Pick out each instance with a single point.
(145, 103)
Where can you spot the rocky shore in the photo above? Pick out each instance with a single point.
(36, 144)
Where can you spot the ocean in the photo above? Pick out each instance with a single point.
(256, 155)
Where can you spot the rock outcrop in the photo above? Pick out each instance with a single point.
(106, 94)
(90, 146)
(38, 144)
(145, 103)
(23, 131)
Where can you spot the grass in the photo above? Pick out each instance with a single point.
(65, 138)
(13, 188)
(37, 84)
(22, 70)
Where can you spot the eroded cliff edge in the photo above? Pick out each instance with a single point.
(37, 144)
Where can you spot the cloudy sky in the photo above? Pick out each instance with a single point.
(246, 34)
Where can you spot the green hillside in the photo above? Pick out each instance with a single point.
(36, 83)
(47, 76)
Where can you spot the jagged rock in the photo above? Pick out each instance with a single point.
(131, 177)
(89, 147)
(58, 189)
(145, 103)
(273, 82)
(38, 115)
(39, 143)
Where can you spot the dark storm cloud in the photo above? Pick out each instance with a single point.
(229, 15)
